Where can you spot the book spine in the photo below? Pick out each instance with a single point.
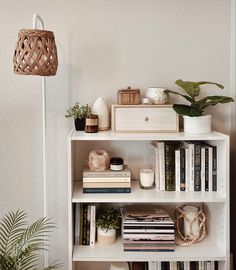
(77, 224)
(173, 265)
(106, 179)
(151, 265)
(84, 236)
(180, 265)
(182, 169)
(186, 265)
(177, 170)
(88, 225)
(170, 166)
(187, 169)
(92, 225)
(203, 165)
(197, 167)
(210, 167)
(206, 169)
(106, 190)
(157, 169)
(201, 265)
(161, 164)
(106, 185)
(214, 168)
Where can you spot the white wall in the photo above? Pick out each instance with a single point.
(103, 45)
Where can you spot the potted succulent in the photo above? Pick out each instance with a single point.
(79, 113)
(20, 245)
(107, 221)
(194, 120)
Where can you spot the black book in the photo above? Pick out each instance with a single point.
(182, 169)
(206, 169)
(180, 265)
(197, 166)
(85, 225)
(165, 265)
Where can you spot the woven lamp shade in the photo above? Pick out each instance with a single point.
(35, 53)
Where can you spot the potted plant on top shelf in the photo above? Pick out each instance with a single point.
(108, 220)
(195, 122)
(79, 113)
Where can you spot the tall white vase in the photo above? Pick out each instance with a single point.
(101, 109)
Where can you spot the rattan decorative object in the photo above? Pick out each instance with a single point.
(200, 218)
(35, 53)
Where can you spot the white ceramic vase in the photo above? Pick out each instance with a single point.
(106, 237)
(101, 109)
(197, 124)
(157, 95)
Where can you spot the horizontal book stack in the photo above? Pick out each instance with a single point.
(185, 166)
(107, 181)
(85, 224)
(186, 265)
(147, 230)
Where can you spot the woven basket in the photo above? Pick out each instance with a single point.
(35, 53)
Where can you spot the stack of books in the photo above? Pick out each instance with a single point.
(147, 230)
(107, 181)
(185, 166)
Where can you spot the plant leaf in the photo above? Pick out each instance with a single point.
(179, 94)
(187, 110)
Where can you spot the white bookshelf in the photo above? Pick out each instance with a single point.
(215, 204)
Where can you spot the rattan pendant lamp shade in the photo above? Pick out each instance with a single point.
(35, 53)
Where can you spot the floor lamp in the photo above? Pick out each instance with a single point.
(36, 54)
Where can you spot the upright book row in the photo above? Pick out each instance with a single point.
(185, 166)
(186, 265)
(85, 224)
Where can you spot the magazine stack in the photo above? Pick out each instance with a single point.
(147, 230)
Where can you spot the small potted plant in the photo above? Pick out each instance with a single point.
(79, 113)
(194, 120)
(108, 220)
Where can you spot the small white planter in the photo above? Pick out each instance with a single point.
(106, 237)
(197, 124)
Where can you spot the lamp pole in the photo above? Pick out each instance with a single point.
(36, 18)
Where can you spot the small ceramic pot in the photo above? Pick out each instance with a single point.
(106, 237)
(157, 95)
(197, 125)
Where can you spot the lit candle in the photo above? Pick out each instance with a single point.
(146, 177)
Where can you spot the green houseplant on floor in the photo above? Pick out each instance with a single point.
(79, 113)
(195, 122)
(20, 244)
(107, 221)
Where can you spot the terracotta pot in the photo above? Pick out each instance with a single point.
(106, 237)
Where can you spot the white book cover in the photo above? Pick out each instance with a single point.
(208, 265)
(190, 146)
(77, 223)
(161, 150)
(155, 164)
(152, 265)
(201, 265)
(159, 265)
(187, 169)
(173, 265)
(177, 169)
(203, 166)
(186, 265)
(210, 167)
(92, 225)
(106, 179)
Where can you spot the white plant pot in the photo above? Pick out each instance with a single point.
(198, 124)
(106, 237)
(101, 109)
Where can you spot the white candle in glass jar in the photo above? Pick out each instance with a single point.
(146, 177)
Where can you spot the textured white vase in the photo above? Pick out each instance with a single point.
(157, 95)
(106, 237)
(101, 109)
(197, 124)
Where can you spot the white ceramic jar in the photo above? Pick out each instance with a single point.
(157, 95)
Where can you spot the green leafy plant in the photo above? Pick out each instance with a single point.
(20, 244)
(197, 106)
(78, 111)
(108, 218)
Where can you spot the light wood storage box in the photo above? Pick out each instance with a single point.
(144, 118)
